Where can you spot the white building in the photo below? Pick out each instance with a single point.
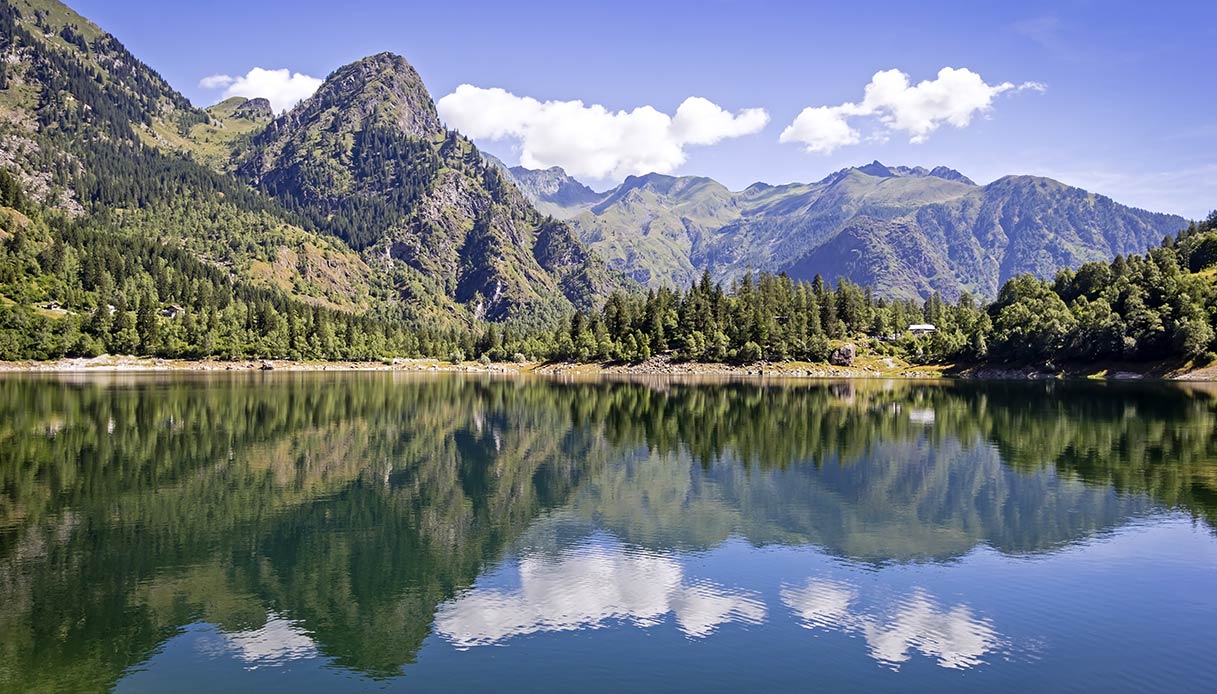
(921, 328)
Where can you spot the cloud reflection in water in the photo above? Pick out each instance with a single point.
(952, 635)
(587, 587)
(274, 644)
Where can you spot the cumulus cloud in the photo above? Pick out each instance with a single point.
(822, 129)
(592, 140)
(283, 88)
(216, 81)
(954, 97)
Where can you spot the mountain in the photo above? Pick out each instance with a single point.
(977, 241)
(553, 191)
(228, 128)
(909, 231)
(355, 225)
(366, 158)
(357, 200)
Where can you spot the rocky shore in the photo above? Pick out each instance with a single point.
(660, 366)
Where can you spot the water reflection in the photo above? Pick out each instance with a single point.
(899, 501)
(276, 643)
(588, 586)
(355, 517)
(952, 635)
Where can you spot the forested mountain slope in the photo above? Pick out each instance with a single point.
(88, 132)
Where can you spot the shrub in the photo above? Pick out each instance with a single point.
(750, 353)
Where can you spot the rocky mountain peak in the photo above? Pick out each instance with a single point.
(950, 175)
(552, 185)
(256, 109)
(553, 191)
(879, 170)
(876, 169)
(380, 90)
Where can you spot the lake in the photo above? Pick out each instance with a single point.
(356, 531)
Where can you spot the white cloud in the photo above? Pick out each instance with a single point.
(954, 97)
(822, 129)
(700, 121)
(216, 81)
(283, 88)
(592, 140)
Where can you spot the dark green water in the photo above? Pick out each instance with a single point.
(316, 532)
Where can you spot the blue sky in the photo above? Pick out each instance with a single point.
(1128, 105)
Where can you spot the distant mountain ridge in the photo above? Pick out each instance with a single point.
(877, 169)
(908, 231)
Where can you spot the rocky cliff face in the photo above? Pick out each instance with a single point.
(380, 90)
(255, 109)
(553, 191)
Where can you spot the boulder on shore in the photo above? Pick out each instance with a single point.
(843, 355)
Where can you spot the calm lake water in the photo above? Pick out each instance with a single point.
(328, 532)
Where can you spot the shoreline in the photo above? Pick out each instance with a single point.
(884, 369)
(120, 364)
